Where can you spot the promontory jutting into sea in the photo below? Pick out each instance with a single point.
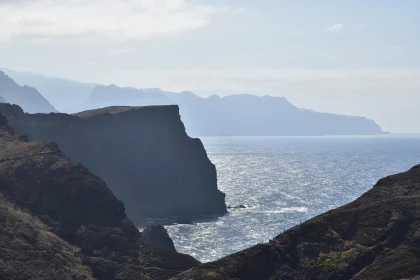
(209, 140)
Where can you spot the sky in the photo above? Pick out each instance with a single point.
(349, 57)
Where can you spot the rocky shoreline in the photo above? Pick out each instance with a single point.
(60, 221)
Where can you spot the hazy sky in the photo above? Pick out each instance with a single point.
(353, 57)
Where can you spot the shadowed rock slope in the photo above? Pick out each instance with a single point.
(28, 98)
(157, 235)
(375, 237)
(59, 221)
(142, 153)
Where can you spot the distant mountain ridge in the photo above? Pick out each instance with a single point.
(236, 115)
(65, 95)
(28, 98)
(106, 96)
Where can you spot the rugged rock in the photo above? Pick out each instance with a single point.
(156, 235)
(142, 153)
(27, 97)
(375, 237)
(241, 206)
(59, 221)
(29, 250)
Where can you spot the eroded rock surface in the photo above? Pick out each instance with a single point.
(60, 221)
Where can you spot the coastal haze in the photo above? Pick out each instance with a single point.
(352, 58)
(144, 139)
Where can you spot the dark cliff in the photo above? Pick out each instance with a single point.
(156, 235)
(59, 221)
(26, 97)
(142, 153)
(373, 238)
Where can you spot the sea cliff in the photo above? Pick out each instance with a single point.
(60, 221)
(142, 153)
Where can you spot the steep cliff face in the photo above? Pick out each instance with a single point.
(375, 237)
(142, 153)
(59, 221)
(27, 97)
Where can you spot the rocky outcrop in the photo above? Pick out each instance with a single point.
(59, 221)
(156, 235)
(142, 153)
(28, 98)
(373, 238)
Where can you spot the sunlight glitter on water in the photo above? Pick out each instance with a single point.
(286, 181)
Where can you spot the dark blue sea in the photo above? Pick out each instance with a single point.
(286, 180)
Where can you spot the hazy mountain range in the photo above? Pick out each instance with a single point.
(65, 95)
(27, 97)
(235, 115)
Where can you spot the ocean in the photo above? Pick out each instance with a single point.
(284, 181)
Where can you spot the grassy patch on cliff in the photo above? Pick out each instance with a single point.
(341, 262)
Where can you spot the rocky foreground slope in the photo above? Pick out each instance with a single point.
(59, 221)
(375, 237)
(142, 153)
